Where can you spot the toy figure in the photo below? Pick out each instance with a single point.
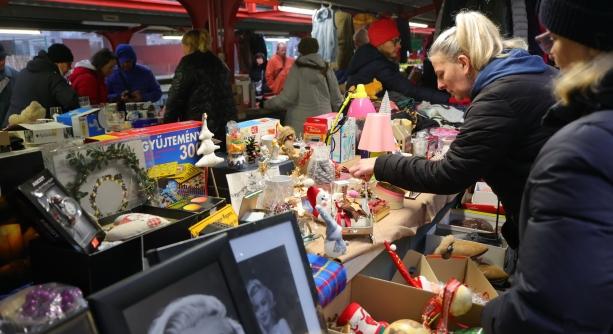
(274, 154)
(317, 195)
(286, 137)
(334, 245)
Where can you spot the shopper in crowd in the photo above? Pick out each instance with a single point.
(311, 88)
(264, 305)
(88, 76)
(360, 38)
(564, 278)
(43, 80)
(379, 60)
(8, 75)
(257, 74)
(201, 84)
(277, 68)
(502, 133)
(131, 82)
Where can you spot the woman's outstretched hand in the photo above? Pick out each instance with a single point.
(363, 169)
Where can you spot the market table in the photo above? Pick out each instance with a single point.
(398, 224)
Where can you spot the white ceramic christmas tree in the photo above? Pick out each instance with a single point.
(207, 147)
(386, 106)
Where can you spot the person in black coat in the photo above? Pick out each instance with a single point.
(501, 134)
(43, 80)
(201, 84)
(378, 60)
(564, 277)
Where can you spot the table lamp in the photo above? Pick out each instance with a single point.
(377, 135)
(360, 105)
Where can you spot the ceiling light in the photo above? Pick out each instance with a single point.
(417, 25)
(110, 24)
(297, 10)
(19, 32)
(173, 37)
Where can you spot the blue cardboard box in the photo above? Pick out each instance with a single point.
(84, 122)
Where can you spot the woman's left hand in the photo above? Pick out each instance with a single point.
(363, 169)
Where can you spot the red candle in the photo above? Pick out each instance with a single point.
(401, 267)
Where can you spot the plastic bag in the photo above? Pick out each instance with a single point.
(38, 308)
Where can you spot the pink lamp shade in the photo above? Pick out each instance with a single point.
(360, 107)
(377, 135)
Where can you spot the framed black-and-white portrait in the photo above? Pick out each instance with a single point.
(198, 291)
(275, 270)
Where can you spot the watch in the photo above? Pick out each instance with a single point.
(67, 207)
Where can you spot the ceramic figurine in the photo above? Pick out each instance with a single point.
(207, 147)
(334, 245)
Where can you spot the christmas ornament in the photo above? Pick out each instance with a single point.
(207, 147)
(406, 326)
(252, 150)
(360, 321)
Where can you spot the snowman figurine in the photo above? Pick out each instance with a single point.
(334, 245)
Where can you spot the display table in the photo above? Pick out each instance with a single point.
(398, 224)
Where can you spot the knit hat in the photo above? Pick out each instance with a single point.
(308, 45)
(60, 53)
(2, 51)
(585, 22)
(125, 53)
(382, 31)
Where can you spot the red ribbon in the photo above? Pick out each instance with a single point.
(438, 308)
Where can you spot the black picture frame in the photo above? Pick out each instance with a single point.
(143, 301)
(272, 261)
(60, 216)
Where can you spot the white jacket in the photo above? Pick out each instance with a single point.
(307, 92)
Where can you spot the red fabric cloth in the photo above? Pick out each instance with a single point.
(382, 31)
(276, 72)
(87, 82)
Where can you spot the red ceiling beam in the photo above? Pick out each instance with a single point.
(272, 15)
(146, 5)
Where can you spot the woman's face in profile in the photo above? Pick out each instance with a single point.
(263, 308)
(452, 76)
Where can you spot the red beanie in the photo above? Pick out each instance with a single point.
(382, 31)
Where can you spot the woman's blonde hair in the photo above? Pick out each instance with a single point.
(197, 40)
(583, 77)
(476, 37)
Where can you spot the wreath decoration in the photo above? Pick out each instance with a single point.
(96, 158)
(117, 178)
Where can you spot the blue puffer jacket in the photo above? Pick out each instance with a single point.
(564, 278)
(368, 64)
(139, 78)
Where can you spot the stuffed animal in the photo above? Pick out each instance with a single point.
(28, 115)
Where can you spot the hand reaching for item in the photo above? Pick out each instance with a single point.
(363, 169)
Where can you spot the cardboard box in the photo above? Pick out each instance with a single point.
(42, 133)
(5, 141)
(174, 142)
(258, 128)
(464, 270)
(384, 300)
(84, 122)
(484, 195)
(422, 268)
(342, 143)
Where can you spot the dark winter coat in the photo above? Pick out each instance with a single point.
(6, 89)
(139, 78)
(564, 277)
(368, 64)
(499, 140)
(41, 81)
(201, 85)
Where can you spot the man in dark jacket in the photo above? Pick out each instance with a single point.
(378, 60)
(201, 85)
(43, 80)
(498, 141)
(8, 75)
(131, 82)
(564, 278)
